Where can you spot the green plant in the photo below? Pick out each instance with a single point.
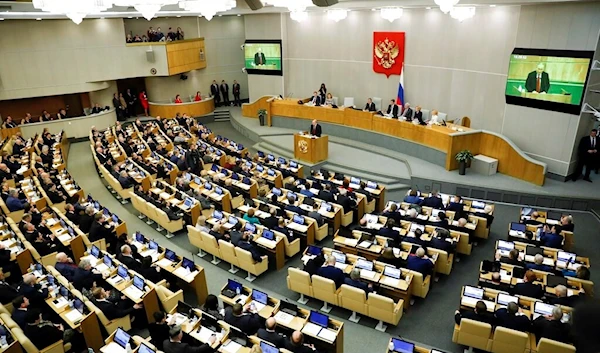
(262, 113)
(464, 156)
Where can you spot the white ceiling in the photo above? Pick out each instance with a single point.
(25, 10)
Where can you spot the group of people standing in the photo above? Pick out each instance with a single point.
(221, 93)
(125, 103)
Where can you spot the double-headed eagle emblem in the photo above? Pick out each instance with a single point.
(386, 52)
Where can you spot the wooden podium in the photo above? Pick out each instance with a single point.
(309, 149)
(550, 97)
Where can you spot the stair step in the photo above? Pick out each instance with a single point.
(359, 174)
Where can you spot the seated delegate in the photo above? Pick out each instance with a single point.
(370, 106)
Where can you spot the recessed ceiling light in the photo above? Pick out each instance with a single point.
(492, 5)
(428, 7)
(239, 14)
(129, 16)
(38, 19)
(220, 15)
(102, 17)
(1, 19)
(178, 16)
(373, 9)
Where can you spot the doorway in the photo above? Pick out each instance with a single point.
(136, 85)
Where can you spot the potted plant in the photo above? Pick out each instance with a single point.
(463, 157)
(262, 114)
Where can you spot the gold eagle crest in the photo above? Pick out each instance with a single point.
(386, 52)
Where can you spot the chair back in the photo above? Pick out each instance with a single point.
(348, 101)
(550, 346)
(228, 252)
(354, 299)
(474, 334)
(194, 236)
(506, 340)
(324, 289)
(299, 281)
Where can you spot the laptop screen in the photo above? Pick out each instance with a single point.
(183, 308)
(218, 190)
(234, 285)
(145, 349)
(247, 181)
(250, 227)
(371, 185)
(139, 282)
(276, 192)
(259, 296)
(139, 237)
(189, 264)
(268, 234)
(293, 164)
(64, 291)
(208, 186)
(122, 271)
(339, 256)
(152, 245)
(78, 304)
(235, 176)
(214, 168)
(115, 218)
(281, 160)
(284, 305)
(298, 219)
(504, 299)
(197, 181)
(121, 337)
(478, 204)
(260, 168)
(506, 245)
(95, 251)
(354, 180)
(188, 202)
(473, 292)
(271, 157)
(519, 227)
(318, 318)
(218, 215)
(268, 348)
(170, 255)
(107, 261)
(392, 272)
(566, 256)
(542, 308)
(364, 264)
(401, 346)
(271, 172)
(326, 207)
(232, 220)
(209, 321)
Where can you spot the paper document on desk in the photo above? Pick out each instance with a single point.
(112, 347)
(423, 217)
(341, 266)
(64, 237)
(179, 319)
(164, 262)
(365, 244)
(283, 318)
(305, 258)
(389, 281)
(184, 272)
(8, 242)
(350, 241)
(367, 273)
(73, 315)
(327, 334)
(231, 347)
(311, 329)
(133, 292)
(204, 334)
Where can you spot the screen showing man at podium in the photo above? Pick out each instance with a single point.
(549, 77)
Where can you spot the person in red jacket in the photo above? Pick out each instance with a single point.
(144, 102)
(178, 99)
(198, 97)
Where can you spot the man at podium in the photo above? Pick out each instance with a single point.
(538, 81)
(315, 129)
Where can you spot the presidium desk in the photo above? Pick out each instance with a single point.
(448, 139)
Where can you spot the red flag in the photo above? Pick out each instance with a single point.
(388, 52)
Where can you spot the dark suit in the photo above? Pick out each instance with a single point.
(179, 347)
(407, 114)
(539, 267)
(472, 315)
(346, 202)
(7, 292)
(66, 269)
(370, 107)
(511, 321)
(113, 311)
(236, 94)
(247, 323)
(225, 93)
(551, 329)
(433, 202)
(214, 91)
(589, 160)
(333, 273)
(85, 223)
(259, 58)
(441, 244)
(43, 335)
(422, 265)
(130, 262)
(551, 240)
(316, 100)
(390, 233)
(85, 279)
(270, 222)
(392, 109)
(419, 117)
(570, 301)
(35, 294)
(158, 334)
(503, 287)
(277, 339)
(358, 284)
(256, 255)
(20, 317)
(529, 290)
(315, 130)
(531, 82)
(325, 196)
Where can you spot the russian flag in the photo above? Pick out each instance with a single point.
(400, 98)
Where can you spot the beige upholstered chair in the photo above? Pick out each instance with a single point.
(354, 299)
(420, 285)
(211, 246)
(473, 334)
(299, 282)
(385, 310)
(509, 341)
(195, 239)
(29, 347)
(110, 325)
(248, 264)
(228, 254)
(550, 346)
(324, 289)
(347, 218)
(168, 298)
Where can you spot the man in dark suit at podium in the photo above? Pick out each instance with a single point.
(315, 129)
(538, 81)
(370, 106)
(588, 155)
(259, 58)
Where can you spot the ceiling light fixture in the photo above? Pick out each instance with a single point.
(428, 7)
(462, 13)
(209, 8)
(298, 16)
(492, 5)
(337, 14)
(38, 19)
(391, 13)
(446, 5)
(292, 5)
(148, 8)
(76, 10)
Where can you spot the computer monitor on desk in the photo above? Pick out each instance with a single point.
(317, 318)
(339, 256)
(268, 347)
(401, 346)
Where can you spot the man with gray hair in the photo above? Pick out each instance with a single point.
(13, 203)
(355, 281)
(538, 264)
(511, 317)
(563, 298)
(174, 344)
(65, 266)
(551, 327)
(331, 272)
(84, 276)
(420, 263)
(126, 257)
(87, 219)
(33, 291)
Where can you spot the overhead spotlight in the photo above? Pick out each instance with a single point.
(239, 14)
(244, 70)
(492, 5)
(1, 19)
(242, 46)
(373, 9)
(178, 16)
(428, 7)
(38, 19)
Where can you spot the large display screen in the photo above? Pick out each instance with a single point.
(263, 57)
(548, 79)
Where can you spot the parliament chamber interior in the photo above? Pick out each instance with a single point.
(305, 176)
